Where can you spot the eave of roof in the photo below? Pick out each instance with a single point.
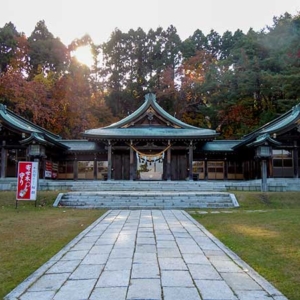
(220, 146)
(81, 145)
(262, 140)
(278, 126)
(22, 124)
(36, 132)
(41, 139)
(149, 132)
(38, 138)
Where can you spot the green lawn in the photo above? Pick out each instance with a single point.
(31, 235)
(264, 232)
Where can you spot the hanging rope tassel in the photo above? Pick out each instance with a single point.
(150, 157)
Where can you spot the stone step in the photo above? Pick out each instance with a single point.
(139, 200)
(274, 185)
(147, 186)
(159, 200)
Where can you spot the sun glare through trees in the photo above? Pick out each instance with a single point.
(83, 55)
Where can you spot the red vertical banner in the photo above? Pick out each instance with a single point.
(27, 180)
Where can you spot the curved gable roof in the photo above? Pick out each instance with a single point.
(34, 131)
(278, 126)
(150, 103)
(169, 126)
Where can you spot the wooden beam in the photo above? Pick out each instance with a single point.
(109, 163)
(191, 149)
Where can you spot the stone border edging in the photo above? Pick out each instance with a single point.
(234, 200)
(57, 200)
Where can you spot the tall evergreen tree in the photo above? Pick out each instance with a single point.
(46, 53)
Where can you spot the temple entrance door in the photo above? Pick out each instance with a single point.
(150, 170)
(121, 166)
(179, 166)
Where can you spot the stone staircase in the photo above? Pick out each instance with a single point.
(274, 185)
(147, 195)
(172, 186)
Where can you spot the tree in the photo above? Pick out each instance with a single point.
(46, 53)
(8, 45)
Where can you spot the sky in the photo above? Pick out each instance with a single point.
(71, 19)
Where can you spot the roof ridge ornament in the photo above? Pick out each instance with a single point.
(296, 108)
(3, 107)
(150, 97)
(264, 139)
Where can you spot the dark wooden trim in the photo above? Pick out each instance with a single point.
(95, 167)
(131, 164)
(296, 160)
(3, 160)
(190, 163)
(75, 168)
(169, 163)
(109, 163)
(226, 169)
(205, 169)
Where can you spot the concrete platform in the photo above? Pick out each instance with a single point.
(145, 254)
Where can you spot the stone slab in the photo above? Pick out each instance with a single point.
(176, 279)
(145, 254)
(144, 289)
(180, 293)
(75, 290)
(110, 293)
(215, 289)
(114, 279)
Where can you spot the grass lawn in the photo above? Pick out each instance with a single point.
(31, 235)
(264, 232)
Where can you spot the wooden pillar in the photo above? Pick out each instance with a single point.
(169, 162)
(75, 168)
(131, 166)
(264, 186)
(296, 160)
(3, 160)
(205, 169)
(43, 168)
(95, 167)
(109, 163)
(191, 149)
(270, 168)
(226, 169)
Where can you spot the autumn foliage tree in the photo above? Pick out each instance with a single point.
(41, 82)
(232, 82)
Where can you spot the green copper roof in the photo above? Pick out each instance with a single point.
(170, 127)
(278, 126)
(220, 146)
(22, 125)
(150, 132)
(150, 101)
(262, 140)
(81, 145)
(35, 137)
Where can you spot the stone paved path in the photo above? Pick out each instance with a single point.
(145, 254)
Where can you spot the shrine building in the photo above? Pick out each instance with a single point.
(150, 144)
